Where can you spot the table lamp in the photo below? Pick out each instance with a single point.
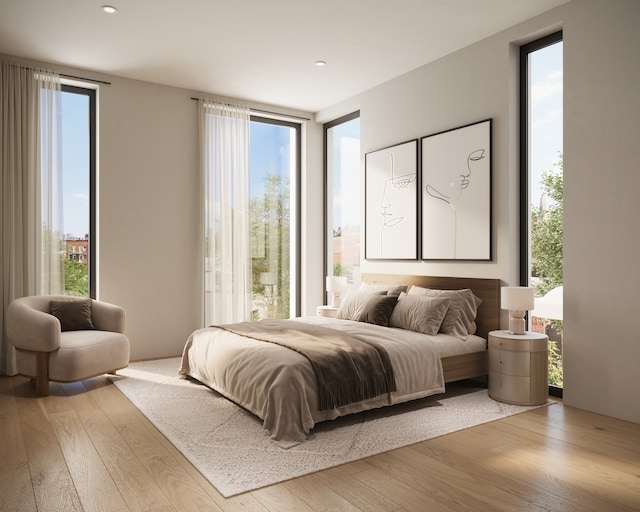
(518, 300)
(336, 285)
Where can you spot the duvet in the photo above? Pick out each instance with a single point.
(279, 385)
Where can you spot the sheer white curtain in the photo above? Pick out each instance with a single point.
(224, 135)
(30, 236)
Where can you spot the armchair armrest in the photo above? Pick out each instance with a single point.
(31, 329)
(108, 317)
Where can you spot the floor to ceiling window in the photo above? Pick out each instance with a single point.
(342, 197)
(541, 181)
(274, 163)
(78, 159)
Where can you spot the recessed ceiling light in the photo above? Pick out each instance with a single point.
(109, 9)
(320, 63)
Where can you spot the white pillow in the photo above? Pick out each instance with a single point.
(353, 303)
(460, 320)
(419, 313)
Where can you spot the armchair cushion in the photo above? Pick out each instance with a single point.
(74, 315)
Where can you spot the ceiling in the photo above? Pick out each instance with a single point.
(259, 50)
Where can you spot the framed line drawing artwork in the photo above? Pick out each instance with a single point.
(456, 193)
(391, 203)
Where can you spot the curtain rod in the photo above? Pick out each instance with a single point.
(272, 113)
(83, 78)
(62, 75)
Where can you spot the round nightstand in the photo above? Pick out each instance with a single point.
(329, 311)
(518, 367)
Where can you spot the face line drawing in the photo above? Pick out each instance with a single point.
(457, 187)
(398, 183)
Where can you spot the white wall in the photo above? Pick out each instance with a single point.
(602, 181)
(148, 253)
(602, 207)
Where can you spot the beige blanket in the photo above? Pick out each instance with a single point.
(348, 369)
(279, 385)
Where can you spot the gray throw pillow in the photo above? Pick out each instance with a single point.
(377, 309)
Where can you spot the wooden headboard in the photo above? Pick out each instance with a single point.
(488, 290)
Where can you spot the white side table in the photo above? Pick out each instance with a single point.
(329, 311)
(518, 367)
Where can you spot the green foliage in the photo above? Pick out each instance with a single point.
(339, 269)
(270, 226)
(76, 278)
(547, 233)
(555, 365)
(547, 254)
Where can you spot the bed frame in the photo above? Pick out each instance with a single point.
(465, 366)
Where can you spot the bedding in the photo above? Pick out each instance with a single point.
(459, 320)
(427, 343)
(347, 369)
(278, 384)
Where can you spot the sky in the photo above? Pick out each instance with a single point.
(546, 114)
(270, 148)
(75, 163)
(345, 139)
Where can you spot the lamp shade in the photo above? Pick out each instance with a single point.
(336, 283)
(517, 298)
(267, 278)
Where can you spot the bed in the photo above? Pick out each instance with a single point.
(272, 375)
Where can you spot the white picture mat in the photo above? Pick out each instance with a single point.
(456, 218)
(391, 199)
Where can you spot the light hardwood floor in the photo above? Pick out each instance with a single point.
(86, 447)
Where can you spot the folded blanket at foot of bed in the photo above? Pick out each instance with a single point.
(348, 369)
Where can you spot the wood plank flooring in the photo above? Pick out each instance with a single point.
(87, 448)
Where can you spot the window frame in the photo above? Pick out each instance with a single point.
(325, 160)
(91, 94)
(525, 217)
(296, 214)
(525, 50)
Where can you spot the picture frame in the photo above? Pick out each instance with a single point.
(456, 193)
(391, 202)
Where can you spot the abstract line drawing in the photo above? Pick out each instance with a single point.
(451, 195)
(393, 191)
(391, 202)
(456, 210)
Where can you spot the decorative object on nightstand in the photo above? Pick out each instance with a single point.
(329, 311)
(336, 285)
(518, 367)
(268, 282)
(518, 300)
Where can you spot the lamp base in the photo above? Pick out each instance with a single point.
(335, 300)
(516, 322)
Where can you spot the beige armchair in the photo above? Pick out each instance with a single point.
(45, 352)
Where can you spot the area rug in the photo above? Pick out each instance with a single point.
(231, 449)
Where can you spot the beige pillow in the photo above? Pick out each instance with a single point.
(460, 320)
(354, 301)
(419, 313)
(74, 315)
(376, 309)
(389, 289)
